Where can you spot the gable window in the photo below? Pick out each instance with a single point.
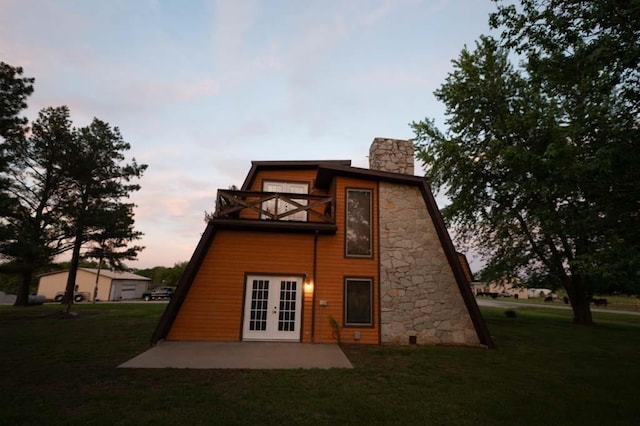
(358, 229)
(358, 302)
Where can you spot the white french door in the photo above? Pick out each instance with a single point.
(272, 308)
(283, 206)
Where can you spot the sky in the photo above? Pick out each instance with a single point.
(202, 88)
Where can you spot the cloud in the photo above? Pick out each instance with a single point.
(170, 92)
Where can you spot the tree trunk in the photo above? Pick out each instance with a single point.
(22, 298)
(75, 256)
(73, 271)
(580, 301)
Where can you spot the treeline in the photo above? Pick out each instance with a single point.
(162, 275)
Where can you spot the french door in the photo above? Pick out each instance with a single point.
(282, 206)
(272, 308)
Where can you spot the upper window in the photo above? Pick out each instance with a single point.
(358, 232)
(358, 303)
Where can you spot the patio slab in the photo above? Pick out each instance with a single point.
(240, 355)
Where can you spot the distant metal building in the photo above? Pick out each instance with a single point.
(111, 285)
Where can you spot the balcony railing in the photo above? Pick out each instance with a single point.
(275, 206)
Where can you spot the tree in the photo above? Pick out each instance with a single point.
(113, 232)
(587, 53)
(32, 229)
(111, 239)
(14, 91)
(98, 183)
(161, 275)
(540, 160)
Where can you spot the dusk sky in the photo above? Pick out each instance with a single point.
(201, 88)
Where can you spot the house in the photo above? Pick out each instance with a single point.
(320, 251)
(504, 287)
(111, 285)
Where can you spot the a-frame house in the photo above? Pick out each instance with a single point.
(320, 251)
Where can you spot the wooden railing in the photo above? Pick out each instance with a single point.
(274, 206)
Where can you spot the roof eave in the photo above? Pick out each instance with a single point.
(288, 165)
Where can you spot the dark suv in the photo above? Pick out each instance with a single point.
(158, 293)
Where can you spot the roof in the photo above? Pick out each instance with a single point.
(327, 171)
(465, 266)
(288, 165)
(114, 275)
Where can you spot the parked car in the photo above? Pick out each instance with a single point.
(159, 293)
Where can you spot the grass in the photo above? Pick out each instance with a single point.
(616, 303)
(545, 371)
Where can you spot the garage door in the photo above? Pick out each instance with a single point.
(128, 291)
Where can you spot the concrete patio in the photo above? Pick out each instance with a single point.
(240, 355)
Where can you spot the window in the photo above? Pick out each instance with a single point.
(358, 303)
(358, 237)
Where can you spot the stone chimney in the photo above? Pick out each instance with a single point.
(391, 155)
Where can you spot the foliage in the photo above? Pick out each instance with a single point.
(161, 275)
(99, 181)
(33, 228)
(61, 188)
(540, 159)
(111, 240)
(14, 90)
(333, 323)
(37, 190)
(586, 55)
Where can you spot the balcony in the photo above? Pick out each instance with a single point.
(274, 211)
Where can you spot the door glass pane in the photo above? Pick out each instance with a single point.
(287, 311)
(259, 299)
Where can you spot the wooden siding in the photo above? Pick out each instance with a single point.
(213, 308)
(333, 267)
(298, 175)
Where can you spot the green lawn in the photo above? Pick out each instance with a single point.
(615, 303)
(545, 371)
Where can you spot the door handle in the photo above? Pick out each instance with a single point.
(275, 310)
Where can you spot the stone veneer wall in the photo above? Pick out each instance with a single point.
(418, 292)
(391, 155)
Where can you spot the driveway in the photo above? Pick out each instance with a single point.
(246, 355)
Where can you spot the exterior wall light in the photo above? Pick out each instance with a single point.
(308, 285)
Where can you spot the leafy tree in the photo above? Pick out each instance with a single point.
(161, 275)
(31, 227)
(540, 159)
(99, 182)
